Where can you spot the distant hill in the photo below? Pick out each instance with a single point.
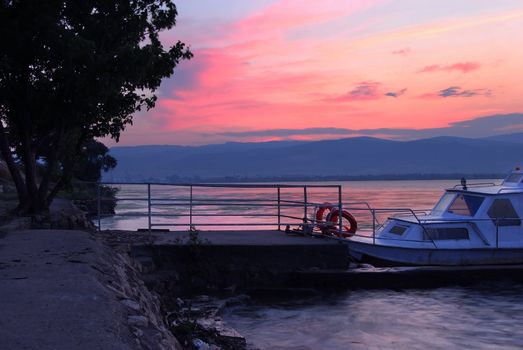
(350, 157)
(515, 138)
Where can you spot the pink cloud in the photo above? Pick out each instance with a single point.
(402, 52)
(282, 16)
(463, 67)
(456, 91)
(364, 91)
(290, 65)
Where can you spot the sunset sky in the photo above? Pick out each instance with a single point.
(271, 70)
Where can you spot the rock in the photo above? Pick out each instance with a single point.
(63, 214)
(179, 302)
(200, 344)
(203, 298)
(237, 300)
(365, 266)
(139, 321)
(137, 332)
(8, 189)
(131, 304)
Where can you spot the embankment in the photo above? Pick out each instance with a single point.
(66, 289)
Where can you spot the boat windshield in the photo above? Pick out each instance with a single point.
(443, 204)
(514, 178)
(465, 204)
(458, 204)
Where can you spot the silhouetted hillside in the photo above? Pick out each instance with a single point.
(516, 138)
(351, 157)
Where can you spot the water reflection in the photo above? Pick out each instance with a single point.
(169, 204)
(484, 317)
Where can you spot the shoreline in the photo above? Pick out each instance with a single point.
(285, 179)
(77, 289)
(64, 289)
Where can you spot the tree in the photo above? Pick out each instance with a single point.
(92, 160)
(72, 71)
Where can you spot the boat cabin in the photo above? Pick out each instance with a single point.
(466, 216)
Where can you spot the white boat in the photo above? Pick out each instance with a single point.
(478, 224)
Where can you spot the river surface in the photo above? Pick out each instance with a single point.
(234, 208)
(485, 316)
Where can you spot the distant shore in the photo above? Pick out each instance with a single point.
(296, 178)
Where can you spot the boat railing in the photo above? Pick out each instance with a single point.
(473, 223)
(509, 190)
(419, 217)
(426, 223)
(475, 184)
(372, 219)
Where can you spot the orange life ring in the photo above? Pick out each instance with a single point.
(320, 213)
(348, 230)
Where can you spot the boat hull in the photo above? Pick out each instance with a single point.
(383, 255)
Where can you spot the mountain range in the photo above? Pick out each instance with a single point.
(358, 157)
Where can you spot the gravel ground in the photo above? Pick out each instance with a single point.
(60, 290)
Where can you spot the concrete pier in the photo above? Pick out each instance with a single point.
(270, 260)
(238, 259)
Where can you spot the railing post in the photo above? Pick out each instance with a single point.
(149, 206)
(304, 204)
(373, 226)
(497, 232)
(98, 206)
(190, 207)
(279, 209)
(340, 212)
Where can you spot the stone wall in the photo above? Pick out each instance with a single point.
(145, 318)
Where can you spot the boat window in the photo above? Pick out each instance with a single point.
(516, 178)
(446, 233)
(443, 204)
(398, 230)
(465, 205)
(503, 213)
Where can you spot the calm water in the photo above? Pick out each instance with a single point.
(169, 203)
(487, 316)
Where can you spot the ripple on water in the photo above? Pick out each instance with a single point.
(484, 317)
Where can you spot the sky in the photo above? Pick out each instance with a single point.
(267, 70)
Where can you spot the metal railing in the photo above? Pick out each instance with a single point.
(171, 205)
(370, 219)
(475, 184)
(263, 205)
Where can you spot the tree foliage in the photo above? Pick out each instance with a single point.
(92, 160)
(72, 71)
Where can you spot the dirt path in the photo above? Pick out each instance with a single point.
(56, 293)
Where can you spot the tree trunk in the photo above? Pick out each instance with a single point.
(37, 203)
(52, 160)
(57, 187)
(5, 149)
